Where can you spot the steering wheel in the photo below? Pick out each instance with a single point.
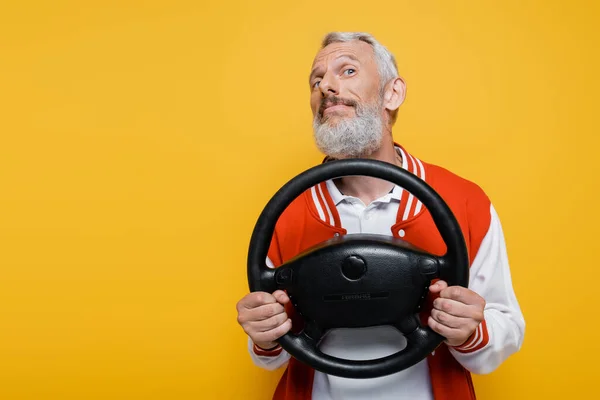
(358, 280)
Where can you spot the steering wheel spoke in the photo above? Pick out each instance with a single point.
(408, 324)
(284, 277)
(429, 266)
(313, 331)
(423, 339)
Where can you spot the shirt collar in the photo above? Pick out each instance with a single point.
(413, 165)
(338, 197)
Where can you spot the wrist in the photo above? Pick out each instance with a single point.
(454, 343)
(269, 346)
(478, 340)
(267, 349)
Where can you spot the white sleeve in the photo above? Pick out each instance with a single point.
(269, 360)
(501, 333)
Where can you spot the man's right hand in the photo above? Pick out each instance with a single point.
(262, 316)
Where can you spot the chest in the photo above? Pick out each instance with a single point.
(383, 219)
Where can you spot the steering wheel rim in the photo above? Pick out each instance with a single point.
(453, 266)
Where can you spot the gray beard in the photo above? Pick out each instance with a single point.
(354, 137)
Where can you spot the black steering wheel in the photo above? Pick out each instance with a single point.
(358, 280)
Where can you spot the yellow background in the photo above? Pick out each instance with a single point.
(140, 140)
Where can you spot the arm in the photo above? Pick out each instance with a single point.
(268, 359)
(501, 332)
(272, 357)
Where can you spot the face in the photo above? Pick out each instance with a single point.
(346, 100)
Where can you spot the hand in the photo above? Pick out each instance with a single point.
(456, 314)
(263, 317)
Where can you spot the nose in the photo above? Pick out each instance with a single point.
(329, 86)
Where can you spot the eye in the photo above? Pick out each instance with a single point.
(349, 71)
(316, 84)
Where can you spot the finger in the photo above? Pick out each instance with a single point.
(438, 286)
(273, 334)
(458, 309)
(445, 331)
(462, 295)
(268, 324)
(263, 312)
(451, 321)
(257, 299)
(281, 296)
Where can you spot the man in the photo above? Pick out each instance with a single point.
(355, 95)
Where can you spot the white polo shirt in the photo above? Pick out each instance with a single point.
(372, 342)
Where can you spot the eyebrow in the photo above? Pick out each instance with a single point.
(314, 71)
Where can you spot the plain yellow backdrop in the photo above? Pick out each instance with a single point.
(139, 140)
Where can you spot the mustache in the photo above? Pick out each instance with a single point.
(334, 101)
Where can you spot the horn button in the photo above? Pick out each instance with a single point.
(354, 268)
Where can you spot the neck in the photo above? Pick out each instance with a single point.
(366, 188)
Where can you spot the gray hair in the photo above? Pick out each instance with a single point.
(386, 62)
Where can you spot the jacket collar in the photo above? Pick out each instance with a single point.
(323, 198)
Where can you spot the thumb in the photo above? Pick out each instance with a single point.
(281, 296)
(438, 286)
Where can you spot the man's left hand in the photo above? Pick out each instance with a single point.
(456, 314)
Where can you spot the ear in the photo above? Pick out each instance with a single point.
(395, 93)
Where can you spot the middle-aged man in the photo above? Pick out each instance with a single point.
(355, 95)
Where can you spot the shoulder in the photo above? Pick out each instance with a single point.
(468, 201)
(298, 210)
(455, 188)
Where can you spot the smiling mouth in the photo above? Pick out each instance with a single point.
(334, 105)
(333, 108)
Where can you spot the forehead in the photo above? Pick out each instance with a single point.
(357, 49)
